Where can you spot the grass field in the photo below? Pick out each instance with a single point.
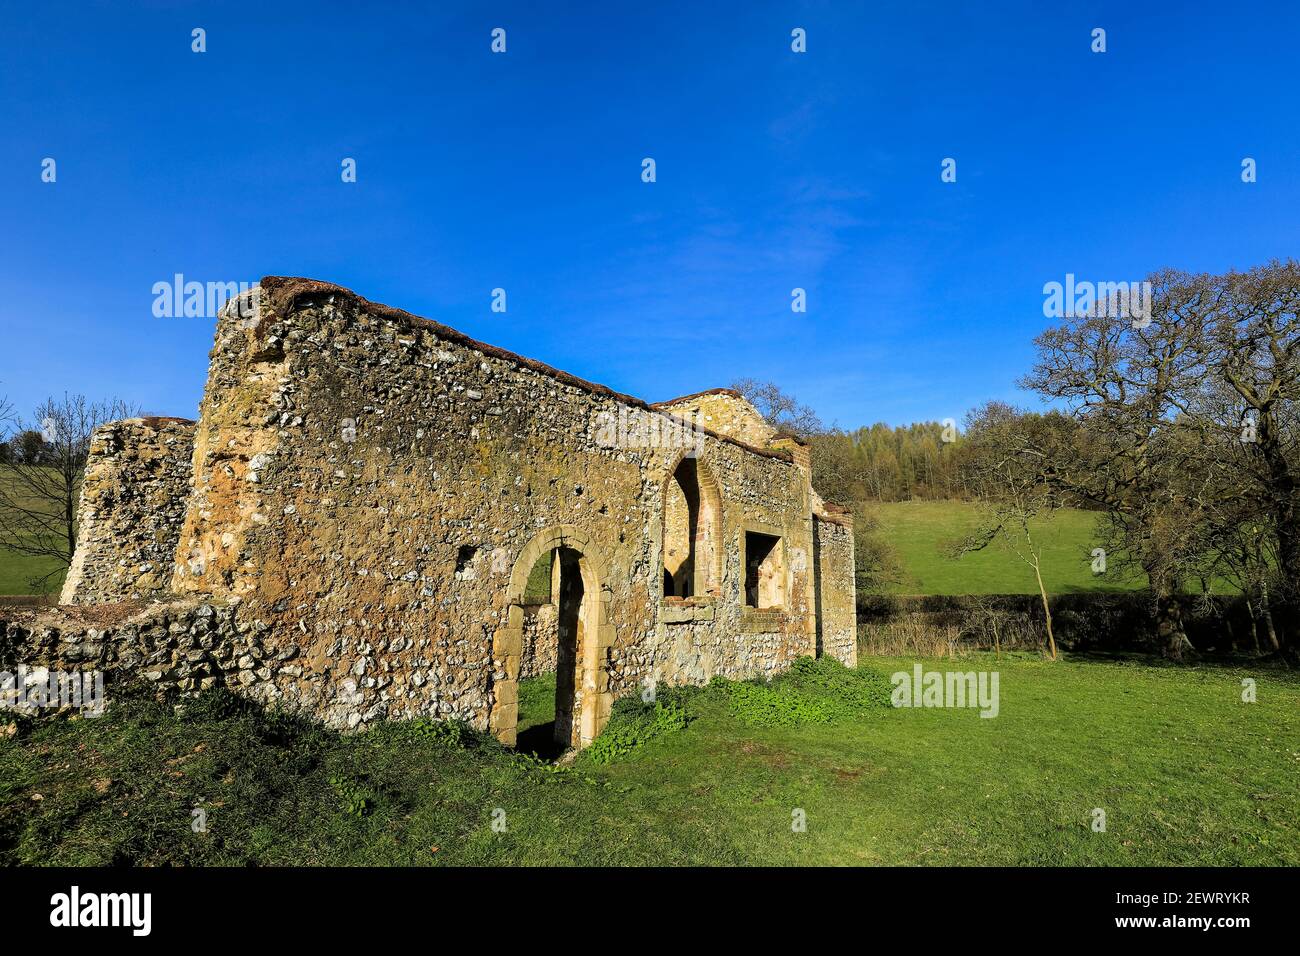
(18, 570)
(1186, 773)
(919, 530)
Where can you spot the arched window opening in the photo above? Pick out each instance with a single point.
(692, 532)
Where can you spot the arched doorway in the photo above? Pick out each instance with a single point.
(585, 637)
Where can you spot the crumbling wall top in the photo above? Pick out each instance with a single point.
(284, 293)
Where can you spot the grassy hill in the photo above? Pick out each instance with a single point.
(919, 530)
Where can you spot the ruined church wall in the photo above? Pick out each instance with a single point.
(133, 497)
(837, 623)
(366, 481)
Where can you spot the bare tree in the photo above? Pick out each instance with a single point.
(986, 617)
(1130, 383)
(1255, 351)
(40, 487)
(1190, 432)
(1248, 560)
(1003, 466)
(780, 410)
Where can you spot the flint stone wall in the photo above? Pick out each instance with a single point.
(178, 647)
(133, 497)
(541, 640)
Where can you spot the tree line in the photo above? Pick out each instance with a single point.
(891, 463)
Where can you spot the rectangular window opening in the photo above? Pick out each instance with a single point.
(764, 570)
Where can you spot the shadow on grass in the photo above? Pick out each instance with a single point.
(1196, 659)
(1098, 589)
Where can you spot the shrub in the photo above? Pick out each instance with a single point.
(454, 733)
(631, 724)
(812, 691)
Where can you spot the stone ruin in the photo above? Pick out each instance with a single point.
(377, 517)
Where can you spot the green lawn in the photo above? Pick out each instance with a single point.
(17, 571)
(1186, 773)
(919, 530)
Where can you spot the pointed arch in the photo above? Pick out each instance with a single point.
(692, 529)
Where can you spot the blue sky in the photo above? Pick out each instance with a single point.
(522, 170)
